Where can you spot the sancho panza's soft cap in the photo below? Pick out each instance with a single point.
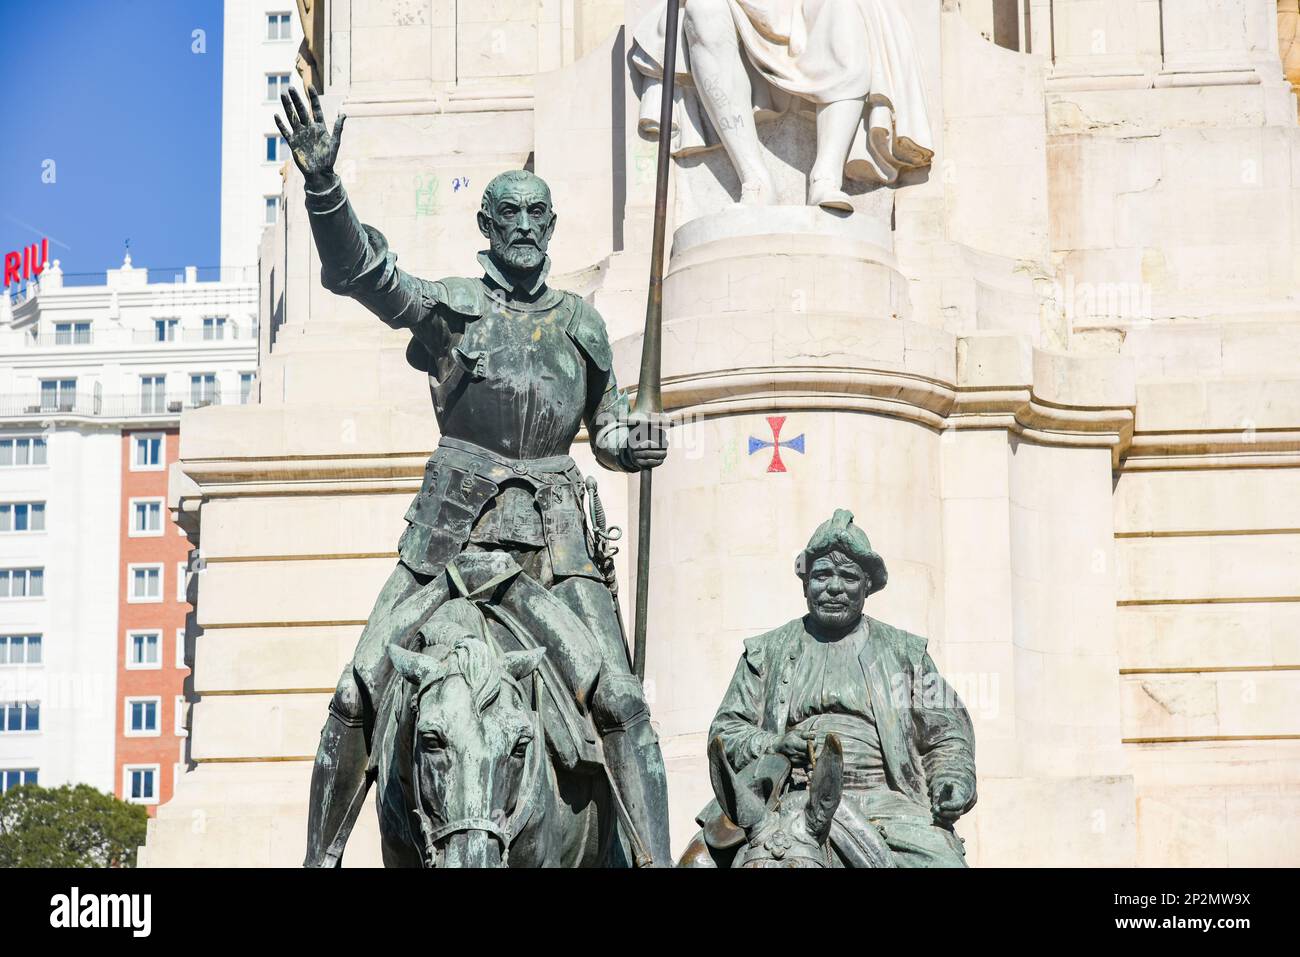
(839, 534)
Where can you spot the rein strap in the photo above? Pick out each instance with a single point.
(435, 834)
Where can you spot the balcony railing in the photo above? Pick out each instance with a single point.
(230, 332)
(114, 407)
(174, 276)
(81, 337)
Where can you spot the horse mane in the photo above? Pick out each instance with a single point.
(479, 666)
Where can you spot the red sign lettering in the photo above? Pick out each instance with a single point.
(27, 264)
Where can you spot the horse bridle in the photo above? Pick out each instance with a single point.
(502, 832)
(432, 835)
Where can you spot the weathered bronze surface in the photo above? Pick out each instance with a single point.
(649, 402)
(842, 687)
(497, 551)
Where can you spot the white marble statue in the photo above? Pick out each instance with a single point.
(852, 62)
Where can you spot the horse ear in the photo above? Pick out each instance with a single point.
(520, 664)
(412, 666)
(771, 772)
(739, 803)
(825, 788)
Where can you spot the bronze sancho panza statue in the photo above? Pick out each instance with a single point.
(515, 369)
(839, 684)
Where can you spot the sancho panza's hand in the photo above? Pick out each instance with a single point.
(794, 745)
(949, 796)
(314, 147)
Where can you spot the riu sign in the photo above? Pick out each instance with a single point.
(27, 264)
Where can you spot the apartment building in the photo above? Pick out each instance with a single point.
(261, 43)
(95, 621)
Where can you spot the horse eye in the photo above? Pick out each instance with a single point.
(433, 740)
(521, 746)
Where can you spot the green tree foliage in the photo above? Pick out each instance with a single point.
(69, 826)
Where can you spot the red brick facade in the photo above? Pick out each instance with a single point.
(161, 679)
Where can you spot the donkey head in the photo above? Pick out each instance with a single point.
(472, 733)
(782, 828)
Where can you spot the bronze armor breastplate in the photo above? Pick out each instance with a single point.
(521, 385)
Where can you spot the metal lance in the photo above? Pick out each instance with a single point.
(649, 403)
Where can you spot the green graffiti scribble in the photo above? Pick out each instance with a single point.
(426, 195)
(730, 456)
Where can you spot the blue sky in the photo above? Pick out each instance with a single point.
(111, 91)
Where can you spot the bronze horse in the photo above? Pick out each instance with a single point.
(465, 779)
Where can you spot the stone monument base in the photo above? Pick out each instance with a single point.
(869, 225)
(979, 466)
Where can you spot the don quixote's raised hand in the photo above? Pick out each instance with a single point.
(313, 145)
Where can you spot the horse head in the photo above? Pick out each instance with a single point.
(472, 731)
(782, 828)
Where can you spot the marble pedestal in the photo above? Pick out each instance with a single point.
(992, 510)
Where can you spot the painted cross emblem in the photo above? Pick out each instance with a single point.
(776, 443)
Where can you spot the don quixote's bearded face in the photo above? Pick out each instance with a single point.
(517, 219)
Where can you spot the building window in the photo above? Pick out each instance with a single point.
(214, 328)
(245, 387)
(180, 649)
(144, 649)
(142, 717)
(71, 333)
(146, 583)
(277, 26)
(22, 517)
(203, 389)
(146, 517)
(21, 451)
(276, 84)
(22, 582)
(272, 215)
(20, 649)
(164, 330)
(181, 708)
(277, 148)
(153, 394)
(140, 783)
(58, 395)
(20, 716)
(15, 777)
(147, 452)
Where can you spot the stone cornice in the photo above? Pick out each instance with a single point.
(504, 100)
(994, 382)
(301, 475)
(1214, 449)
(926, 401)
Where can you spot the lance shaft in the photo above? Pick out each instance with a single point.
(649, 402)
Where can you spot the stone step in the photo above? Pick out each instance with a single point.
(245, 815)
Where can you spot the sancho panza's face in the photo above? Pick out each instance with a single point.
(836, 588)
(517, 219)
